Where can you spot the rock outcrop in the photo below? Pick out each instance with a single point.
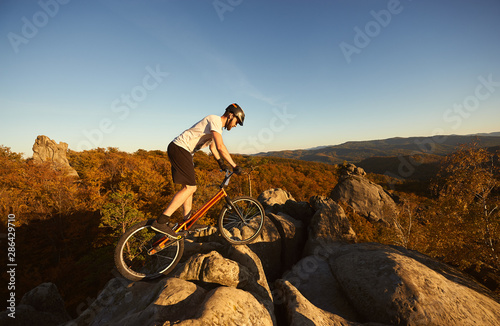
(42, 306)
(365, 197)
(298, 272)
(328, 225)
(47, 150)
(396, 286)
(278, 200)
(386, 285)
(274, 196)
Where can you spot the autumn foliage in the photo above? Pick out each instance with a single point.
(66, 228)
(467, 209)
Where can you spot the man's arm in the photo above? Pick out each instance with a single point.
(219, 150)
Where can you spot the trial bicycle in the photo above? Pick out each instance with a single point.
(142, 253)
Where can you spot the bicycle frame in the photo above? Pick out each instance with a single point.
(186, 225)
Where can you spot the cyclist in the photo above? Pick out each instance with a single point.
(206, 132)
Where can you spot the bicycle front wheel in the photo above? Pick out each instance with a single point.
(241, 222)
(138, 255)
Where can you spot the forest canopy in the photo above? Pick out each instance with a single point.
(63, 223)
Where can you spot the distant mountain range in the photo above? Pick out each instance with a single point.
(387, 154)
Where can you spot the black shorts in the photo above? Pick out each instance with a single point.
(182, 165)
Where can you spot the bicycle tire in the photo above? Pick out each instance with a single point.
(237, 231)
(131, 253)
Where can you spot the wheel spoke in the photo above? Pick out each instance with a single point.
(243, 223)
(133, 258)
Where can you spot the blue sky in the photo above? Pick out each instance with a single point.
(134, 74)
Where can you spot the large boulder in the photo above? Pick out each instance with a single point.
(258, 284)
(365, 197)
(300, 311)
(405, 287)
(280, 244)
(328, 225)
(47, 150)
(277, 200)
(42, 306)
(121, 300)
(275, 196)
(169, 304)
(391, 285)
(313, 279)
(213, 268)
(227, 306)
(217, 288)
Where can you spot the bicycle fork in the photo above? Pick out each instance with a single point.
(235, 209)
(163, 243)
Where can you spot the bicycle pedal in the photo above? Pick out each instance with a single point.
(198, 229)
(180, 234)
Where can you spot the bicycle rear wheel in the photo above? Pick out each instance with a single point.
(244, 225)
(134, 258)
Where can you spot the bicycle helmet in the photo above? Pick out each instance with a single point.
(236, 110)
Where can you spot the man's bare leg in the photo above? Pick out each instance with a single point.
(187, 206)
(180, 198)
(183, 197)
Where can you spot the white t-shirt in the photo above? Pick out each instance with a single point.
(200, 134)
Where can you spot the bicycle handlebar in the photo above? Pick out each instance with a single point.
(227, 176)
